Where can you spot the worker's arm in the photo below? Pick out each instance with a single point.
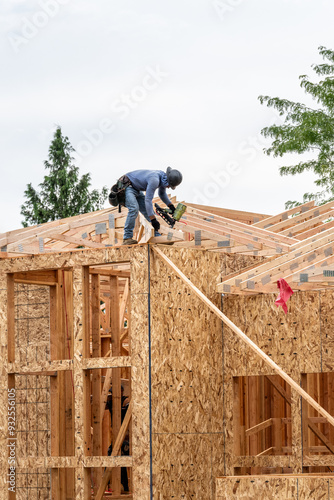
(152, 186)
(163, 196)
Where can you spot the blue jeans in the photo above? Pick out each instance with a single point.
(134, 202)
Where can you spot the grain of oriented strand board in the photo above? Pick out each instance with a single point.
(292, 340)
(139, 336)
(78, 376)
(274, 487)
(3, 386)
(185, 375)
(181, 466)
(32, 416)
(139, 328)
(86, 257)
(32, 328)
(188, 394)
(327, 330)
(236, 353)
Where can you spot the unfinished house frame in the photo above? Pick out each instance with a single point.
(159, 372)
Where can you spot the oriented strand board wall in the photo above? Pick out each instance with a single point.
(187, 375)
(32, 392)
(275, 488)
(300, 342)
(32, 323)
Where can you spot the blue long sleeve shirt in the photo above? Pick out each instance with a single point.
(149, 181)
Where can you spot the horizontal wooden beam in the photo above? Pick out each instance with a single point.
(109, 272)
(112, 362)
(40, 368)
(72, 462)
(49, 277)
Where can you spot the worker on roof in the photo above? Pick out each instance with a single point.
(135, 200)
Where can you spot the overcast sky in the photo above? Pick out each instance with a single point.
(152, 83)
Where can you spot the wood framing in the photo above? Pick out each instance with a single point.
(213, 390)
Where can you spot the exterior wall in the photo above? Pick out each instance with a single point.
(26, 362)
(300, 342)
(275, 488)
(183, 363)
(187, 375)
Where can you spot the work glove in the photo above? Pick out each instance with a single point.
(156, 224)
(172, 208)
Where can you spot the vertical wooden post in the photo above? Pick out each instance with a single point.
(261, 413)
(79, 383)
(305, 409)
(277, 425)
(252, 401)
(68, 379)
(86, 354)
(247, 423)
(11, 433)
(288, 414)
(54, 396)
(330, 384)
(105, 419)
(116, 374)
(96, 377)
(236, 416)
(61, 343)
(10, 318)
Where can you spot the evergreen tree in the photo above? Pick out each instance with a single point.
(62, 193)
(308, 130)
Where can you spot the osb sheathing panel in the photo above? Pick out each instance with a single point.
(297, 342)
(327, 330)
(3, 384)
(233, 263)
(274, 488)
(38, 486)
(187, 378)
(32, 416)
(32, 325)
(187, 369)
(182, 467)
(186, 350)
(291, 340)
(140, 394)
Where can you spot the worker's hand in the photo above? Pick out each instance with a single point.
(156, 224)
(172, 208)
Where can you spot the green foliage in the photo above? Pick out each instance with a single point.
(62, 193)
(308, 130)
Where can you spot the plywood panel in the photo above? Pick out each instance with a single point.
(274, 487)
(327, 330)
(184, 368)
(182, 466)
(244, 488)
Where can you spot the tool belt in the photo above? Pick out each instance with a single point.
(117, 192)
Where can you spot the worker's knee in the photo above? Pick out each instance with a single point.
(133, 211)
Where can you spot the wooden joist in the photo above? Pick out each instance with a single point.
(271, 220)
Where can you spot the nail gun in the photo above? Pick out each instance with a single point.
(165, 213)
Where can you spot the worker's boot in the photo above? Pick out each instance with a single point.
(129, 241)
